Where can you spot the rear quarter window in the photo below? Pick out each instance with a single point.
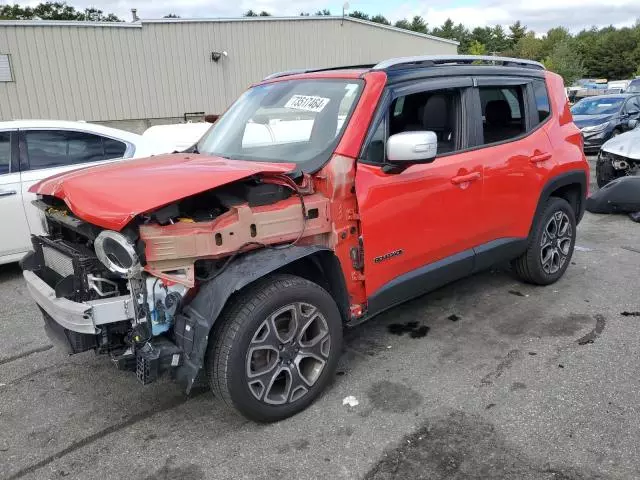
(542, 100)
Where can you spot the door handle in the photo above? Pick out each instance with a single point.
(541, 157)
(471, 177)
(7, 193)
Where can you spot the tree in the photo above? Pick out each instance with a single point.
(518, 31)
(477, 48)
(499, 41)
(482, 35)
(323, 13)
(529, 47)
(171, 15)
(55, 11)
(418, 25)
(359, 14)
(304, 14)
(446, 30)
(250, 13)
(552, 38)
(566, 62)
(461, 34)
(404, 23)
(264, 14)
(380, 19)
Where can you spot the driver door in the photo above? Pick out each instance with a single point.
(419, 225)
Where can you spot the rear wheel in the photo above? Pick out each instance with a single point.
(550, 246)
(275, 349)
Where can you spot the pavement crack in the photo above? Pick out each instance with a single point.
(595, 333)
(25, 354)
(505, 364)
(103, 433)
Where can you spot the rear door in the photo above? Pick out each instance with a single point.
(515, 152)
(14, 239)
(47, 152)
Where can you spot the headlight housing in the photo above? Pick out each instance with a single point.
(116, 252)
(596, 128)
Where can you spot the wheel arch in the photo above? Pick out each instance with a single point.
(571, 186)
(196, 320)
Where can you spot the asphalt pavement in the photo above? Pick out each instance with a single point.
(509, 381)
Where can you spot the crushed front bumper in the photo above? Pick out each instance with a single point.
(85, 317)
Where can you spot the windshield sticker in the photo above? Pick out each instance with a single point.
(307, 103)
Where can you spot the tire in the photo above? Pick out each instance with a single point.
(275, 348)
(530, 267)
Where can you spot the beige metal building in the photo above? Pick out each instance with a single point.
(137, 74)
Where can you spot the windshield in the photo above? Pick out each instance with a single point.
(297, 121)
(597, 106)
(634, 87)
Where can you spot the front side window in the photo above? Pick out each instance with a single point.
(433, 111)
(5, 152)
(298, 121)
(503, 115)
(634, 87)
(633, 105)
(436, 111)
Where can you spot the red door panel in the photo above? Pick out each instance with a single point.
(514, 175)
(429, 212)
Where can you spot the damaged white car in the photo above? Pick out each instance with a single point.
(619, 157)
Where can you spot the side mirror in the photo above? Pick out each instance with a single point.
(412, 147)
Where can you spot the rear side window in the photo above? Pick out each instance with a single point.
(503, 115)
(542, 99)
(50, 148)
(84, 148)
(46, 149)
(113, 148)
(5, 152)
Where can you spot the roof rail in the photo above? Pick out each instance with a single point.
(297, 71)
(432, 60)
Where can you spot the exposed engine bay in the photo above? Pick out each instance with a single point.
(119, 292)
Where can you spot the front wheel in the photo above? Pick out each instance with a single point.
(550, 246)
(275, 348)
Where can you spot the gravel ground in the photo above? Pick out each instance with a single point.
(510, 382)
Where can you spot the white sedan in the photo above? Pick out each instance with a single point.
(31, 150)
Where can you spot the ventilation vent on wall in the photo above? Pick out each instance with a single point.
(5, 68)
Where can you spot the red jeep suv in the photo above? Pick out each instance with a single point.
(318, 200)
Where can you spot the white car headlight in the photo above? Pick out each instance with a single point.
(116, 252)
(595, 128)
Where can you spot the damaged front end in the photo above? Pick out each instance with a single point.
(123, 293)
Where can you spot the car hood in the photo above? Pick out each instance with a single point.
(582, 121)
(111, 195)
(626, 145)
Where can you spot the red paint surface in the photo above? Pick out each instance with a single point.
(111, 195)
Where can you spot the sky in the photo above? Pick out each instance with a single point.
(537, 15)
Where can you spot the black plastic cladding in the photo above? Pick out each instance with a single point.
(194, 324)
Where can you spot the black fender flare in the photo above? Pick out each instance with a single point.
(562, 180)
(194, 323)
